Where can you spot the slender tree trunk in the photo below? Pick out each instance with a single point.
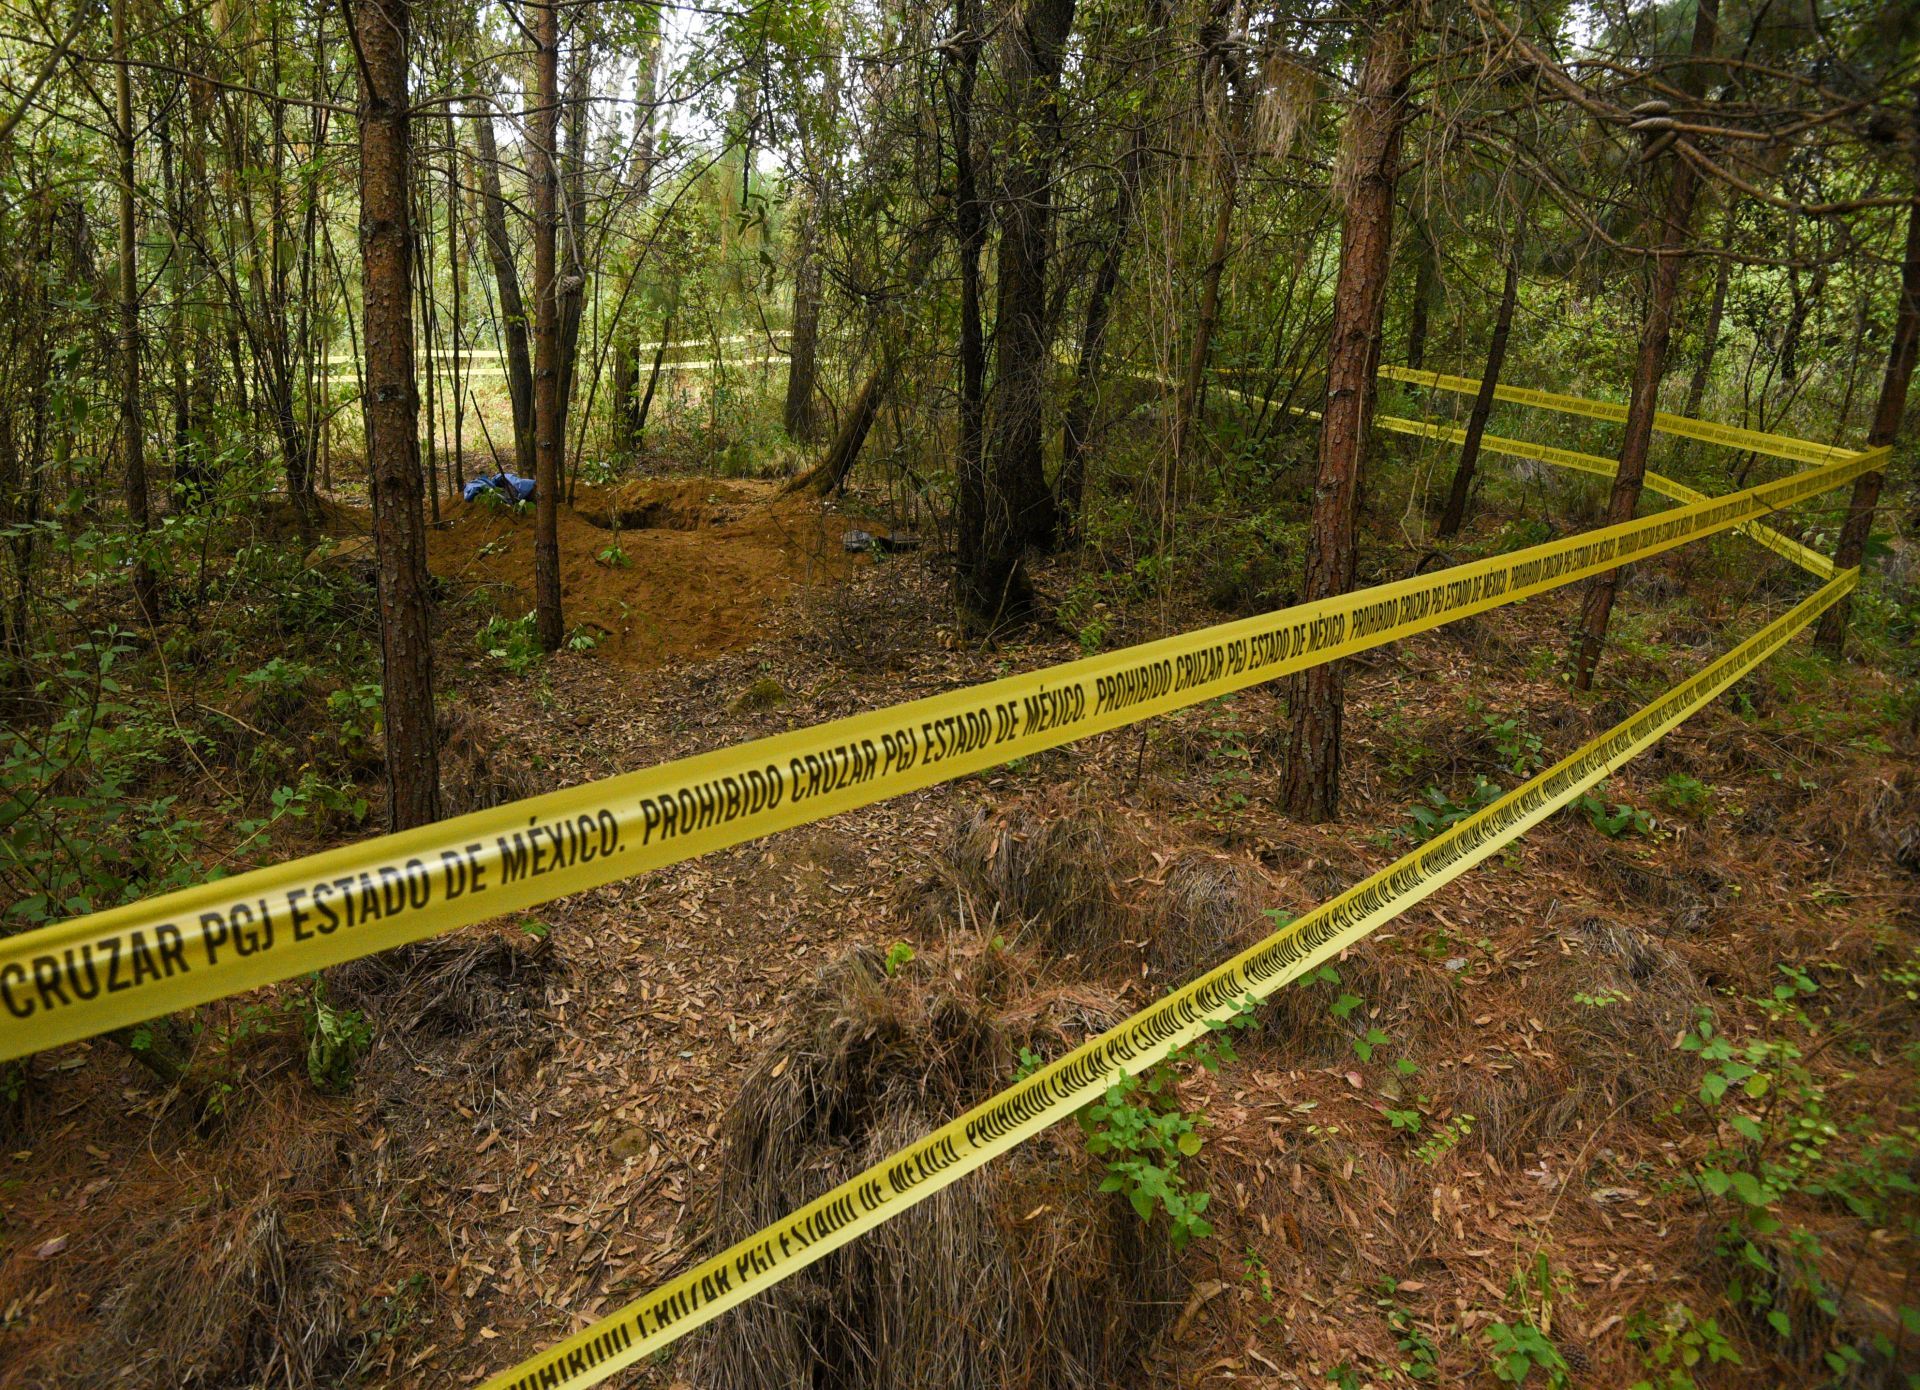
(844, 452)
(1370, 160)
(543, 168)
(1423, 267)
(571, 222)
(506, 278)
(970, 233)
(1710, 334)
(1831, 635)
(133, 430)
(653, 380)
(1069, 489)
(459, 479)
(803, 347)
(1019, 507)
(1456, 510)
(628, 419)
(392, 403)
(429, 333)
(801, 414)
(1187, 405)
(1651, 363)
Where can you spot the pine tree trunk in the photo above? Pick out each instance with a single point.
(1423, 267)
(572, 224)
(970, 234)
(1831, 635)
(803, 346)
(1370, 160)
(1456, 510)
(1187, 405)
(1069, 487)
(1019, 506)
(506, 277)
(1710, 334)
(133, 431)
(543, 170)
(392, 403)
(1650, 365)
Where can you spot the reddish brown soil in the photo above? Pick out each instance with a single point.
(704, 560)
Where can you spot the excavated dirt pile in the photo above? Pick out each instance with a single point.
(654, 569)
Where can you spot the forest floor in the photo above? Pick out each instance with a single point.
(539, 1132)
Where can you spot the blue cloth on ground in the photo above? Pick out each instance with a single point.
(517, 488)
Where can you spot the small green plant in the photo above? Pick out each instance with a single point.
(1518, 748)
(336, 1041)
(1682, 794)
(1446, 1137)
(510, 641)
(1442, 812)
(1029, 1063)
(1421, 1355)
(1142, 1131)
(898, 955)
(1519, 1349)
(613, 557)
(1601, 998)
(1673, 1347)
(358, 716)
(1615, 821)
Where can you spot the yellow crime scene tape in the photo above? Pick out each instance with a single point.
(913, 1174)
(1786, 547)
(1777, 445)
(147, 958)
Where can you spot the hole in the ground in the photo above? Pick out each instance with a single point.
(656, 514)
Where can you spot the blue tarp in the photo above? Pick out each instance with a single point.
(517, 488)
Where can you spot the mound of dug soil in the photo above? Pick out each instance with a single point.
(655, 570)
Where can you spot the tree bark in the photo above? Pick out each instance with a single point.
(133, 432)
(1831, 635)
(1423, 267)
(392, 406)
(1710, 334)
(834, 465)
(459, 479)
(572, 223)
(1069, 488)
(970, 234)
(628, 418)
(1187, 405)
(802, 413)
(1456, 510)
(1370, 160)
(506, 277)
(1650, 365)
(1018, 509)
(543, 124)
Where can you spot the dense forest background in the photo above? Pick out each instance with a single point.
(858, 350)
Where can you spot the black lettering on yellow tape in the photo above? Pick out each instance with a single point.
(755, 1264)
(134, 962)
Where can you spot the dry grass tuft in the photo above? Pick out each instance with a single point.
(1880, 816)
(1208, 909)
(968, 1289)
(478, 769)
(227, 1297)
(1610, 1000)
(1052, 874)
